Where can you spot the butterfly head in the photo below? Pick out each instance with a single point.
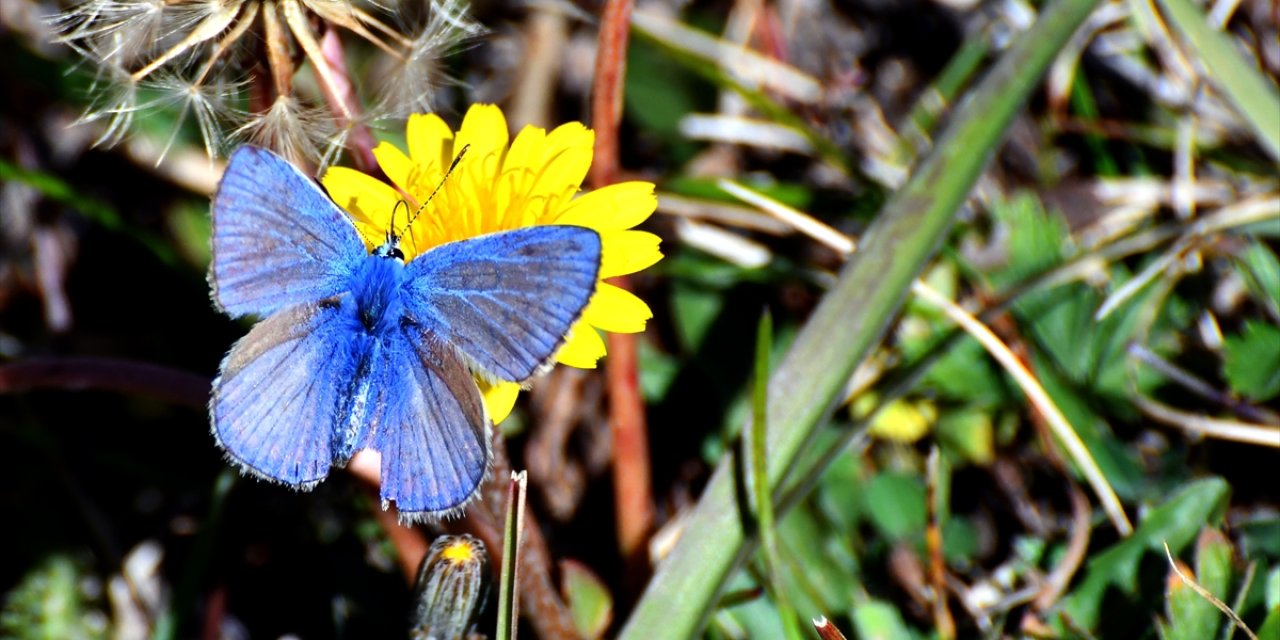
(391, 248)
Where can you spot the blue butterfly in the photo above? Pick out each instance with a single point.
(363, 350)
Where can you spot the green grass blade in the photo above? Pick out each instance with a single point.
(1238, 78)
(847, 324)
(757, 458)
(508, 591)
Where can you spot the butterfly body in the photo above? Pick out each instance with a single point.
(361, 349)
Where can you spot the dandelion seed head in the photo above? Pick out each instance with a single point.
(113, 32)
(298, 132)
(188, 55)
(411, 85)
(209, 103)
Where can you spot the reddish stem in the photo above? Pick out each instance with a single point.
(361, 142)
(633, 500)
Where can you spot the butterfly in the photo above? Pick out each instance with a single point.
(360, 349)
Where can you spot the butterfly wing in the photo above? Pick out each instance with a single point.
(433, 433)
(282, 389)
(506, 300)
(278, 240)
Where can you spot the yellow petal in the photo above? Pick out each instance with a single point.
(484, 130)
(617, 310)
(566, 158)
(612, 208)
(499, 398)
(427, 136)
(902, 421)
(628, 252)
(368, 200)
(583, 348)
(515, 186)
(398, 167)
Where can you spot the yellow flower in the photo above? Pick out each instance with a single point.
(497, 188)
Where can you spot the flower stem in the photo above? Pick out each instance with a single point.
(633, 500)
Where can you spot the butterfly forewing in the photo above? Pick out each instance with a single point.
(506, 300)
(278, 240)
(433, 433)
(282, 386)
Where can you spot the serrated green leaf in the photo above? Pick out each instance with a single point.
(1034, 239)
(1251, 360)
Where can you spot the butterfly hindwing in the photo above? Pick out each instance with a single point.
(277, 400)
(433, 433)
(506, 300)
(278, 240)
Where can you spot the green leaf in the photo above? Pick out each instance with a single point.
(969, 435)
(694, 310)
(1273, 588)
(1190, 615)
(658, 369)
(879, 620)
(1260, 535)
(896, 505)
(1213, 562)
(1176, 521)
(960, 541)
(965, 373)
(1251, 360)
(1261, 271)
(842, 492)
(589, 600)
(1036, 239)
(1270, 629)
(49, 603)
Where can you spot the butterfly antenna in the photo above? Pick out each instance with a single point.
(449, 171)
(391, 229)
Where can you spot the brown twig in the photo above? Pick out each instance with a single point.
(942, 619)
(1077, 548)
(105, 374)
(826, 630)
(633, 501)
